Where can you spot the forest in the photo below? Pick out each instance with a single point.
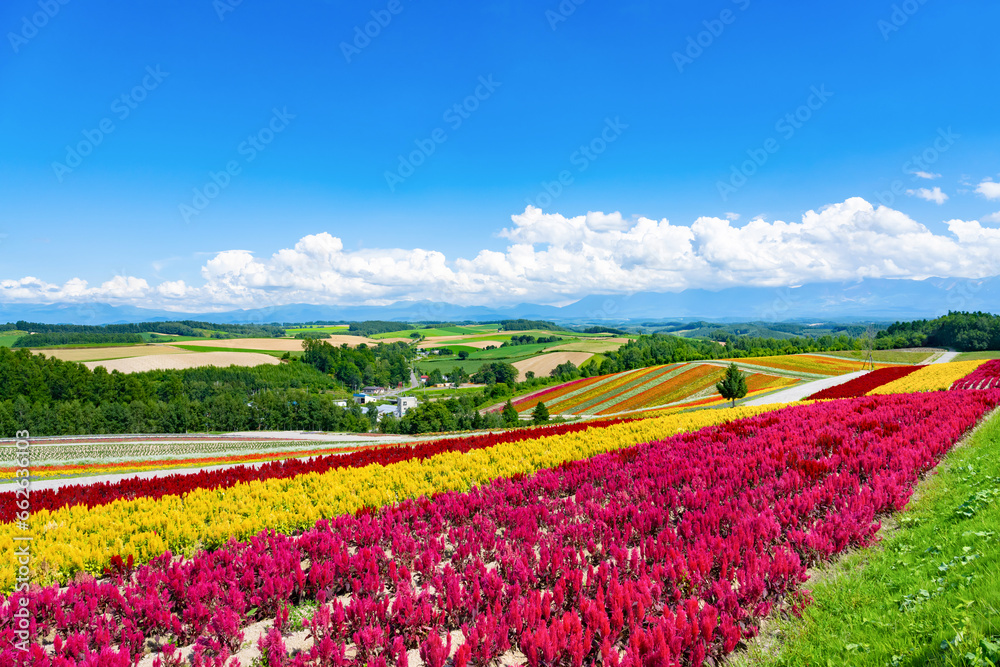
(48, 396)
(966, 332)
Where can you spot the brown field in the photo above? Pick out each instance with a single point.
(544, 363)
(98, 353)
(478, 344)
(270, 344)
(285, 344)
(186, 360)
(595, 346)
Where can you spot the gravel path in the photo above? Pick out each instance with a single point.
(798, 392)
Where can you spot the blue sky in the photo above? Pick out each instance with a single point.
(312, 119)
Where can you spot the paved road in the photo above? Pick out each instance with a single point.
(946, 357)
(798, 392)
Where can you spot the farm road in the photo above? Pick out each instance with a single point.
(798, 392)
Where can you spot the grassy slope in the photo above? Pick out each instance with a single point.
(7, 339)
(972, 356)
(889, 356)
(929, 594)
(206, 348)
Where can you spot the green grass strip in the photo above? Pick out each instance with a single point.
(928, 594)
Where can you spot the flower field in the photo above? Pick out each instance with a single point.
(935, 377)
(143, 447)
(807, 364)
(986, 376)
(92, 469)
(645, 388)
(80, 528)
(862, 385)
(571, 549)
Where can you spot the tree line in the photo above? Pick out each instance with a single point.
(383, 365)
(54, 338)
(48, 396)
(178, 328)
(967, 332)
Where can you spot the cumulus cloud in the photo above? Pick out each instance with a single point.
(989, 189)
(926, 175)
(119, 288)
(935, 195)
(552, 258)
(992, 217)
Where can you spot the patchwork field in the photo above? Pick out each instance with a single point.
(102, 353)
(595, 345)
(685, 384)
(543, 364)
(179, 361)
(477, 344)
(814, 365)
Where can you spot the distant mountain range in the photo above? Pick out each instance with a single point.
(874, 299)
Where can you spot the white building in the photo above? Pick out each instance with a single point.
(404, 403)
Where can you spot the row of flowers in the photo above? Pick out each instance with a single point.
(933, 377)
(104, 493)
(669, 552)
(124, 467)
(637, 381)
(694, 379)
(986, 376)
(810, 364)
(860, 386)
(203, 511)
(139, 447)
(531, 400)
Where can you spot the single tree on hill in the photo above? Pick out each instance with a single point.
(733, 385)
(540, 415)
(509, 415)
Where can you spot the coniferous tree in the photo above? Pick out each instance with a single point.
(733, 385)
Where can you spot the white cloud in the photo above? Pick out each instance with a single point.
(989, 189)
(934, 195)
(552, 258)
(992, 217)
(732, 216)
(119, 288)
(927, 175)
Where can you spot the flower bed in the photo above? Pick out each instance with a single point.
(292, 495)
(986, 376)
(862, 385)
(933, 377)
(664, 553)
